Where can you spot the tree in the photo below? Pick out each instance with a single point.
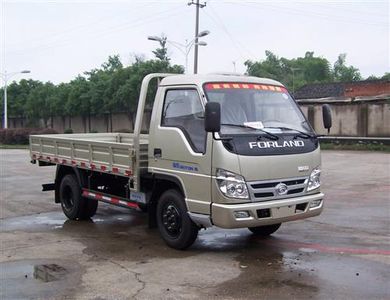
(79, 102)
(162, 52)
(18, 94)
(40, 102)
(59, 100)
(372, 77)
(271, 67)
(128, 93)
(314, 69)
(292, 72)
(113, 64)
(302, 70)
(386, 76)
(341, 72)
(115, 88)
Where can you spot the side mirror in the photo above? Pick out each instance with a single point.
(212, 117)
(327, 116)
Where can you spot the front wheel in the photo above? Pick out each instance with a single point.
(265, 230)
(174, 224)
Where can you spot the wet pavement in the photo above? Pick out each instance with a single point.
(342, 254)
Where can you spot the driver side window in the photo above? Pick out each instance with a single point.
(183, 109)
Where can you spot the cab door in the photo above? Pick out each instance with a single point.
(179, 146)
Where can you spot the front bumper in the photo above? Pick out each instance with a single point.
(223, 215)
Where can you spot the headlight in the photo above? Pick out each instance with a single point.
(232, 185)
(314, 179)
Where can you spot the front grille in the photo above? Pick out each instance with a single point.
(262, 195)
(266, 190)
(295, 191)
(272, 184)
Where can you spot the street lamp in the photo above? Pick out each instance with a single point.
(6, 76)
(203, 33)
(198, 35)
(154, 38)
(183, 48)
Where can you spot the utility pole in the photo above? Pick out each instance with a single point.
(198, 5)
(5, 101)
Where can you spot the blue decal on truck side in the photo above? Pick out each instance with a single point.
(180, 166)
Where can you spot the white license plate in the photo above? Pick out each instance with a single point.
(283, 211)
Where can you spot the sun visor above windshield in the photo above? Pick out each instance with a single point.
(253, 86)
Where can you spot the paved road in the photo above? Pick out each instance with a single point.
(342, 254)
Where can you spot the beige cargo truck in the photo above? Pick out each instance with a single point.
(221, 150)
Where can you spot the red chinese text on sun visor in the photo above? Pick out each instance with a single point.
(253, 86)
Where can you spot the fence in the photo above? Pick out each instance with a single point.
(364, 117)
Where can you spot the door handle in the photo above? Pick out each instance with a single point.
(157, 153)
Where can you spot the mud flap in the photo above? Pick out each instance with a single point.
(48, 187)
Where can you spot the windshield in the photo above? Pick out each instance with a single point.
(256, 106)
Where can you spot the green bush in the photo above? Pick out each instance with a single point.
(47, 131)
(20, 136)
(68, 130)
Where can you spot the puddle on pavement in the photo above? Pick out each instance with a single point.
(268, 268)
(58, 221)
(37, 221)
(38, 279)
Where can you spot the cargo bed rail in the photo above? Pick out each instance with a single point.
(112, 153)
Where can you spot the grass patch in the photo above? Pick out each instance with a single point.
(355, 147)
(5, 146)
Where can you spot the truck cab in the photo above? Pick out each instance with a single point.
(259, 167)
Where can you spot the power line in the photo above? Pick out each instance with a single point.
(236, 43)
(92, 1)
(306, 1)
(349, 10)
(305, 13)
(116, 28)
(73, 28)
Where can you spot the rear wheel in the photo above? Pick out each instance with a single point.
(265, 230)
(73, 204)
(174, 224)
(90, 208)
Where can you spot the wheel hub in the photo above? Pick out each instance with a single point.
(68, 198)
(172, 220)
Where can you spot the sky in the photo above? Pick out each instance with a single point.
(59, 39)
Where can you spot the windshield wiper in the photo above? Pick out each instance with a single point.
(301, 134)
(269, 134)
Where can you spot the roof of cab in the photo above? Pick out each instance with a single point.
(200, 79)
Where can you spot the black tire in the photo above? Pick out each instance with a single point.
(90, 208)
(265, 230)
(74, 206)
(174, 224)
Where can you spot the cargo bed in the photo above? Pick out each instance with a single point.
(112, 153)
